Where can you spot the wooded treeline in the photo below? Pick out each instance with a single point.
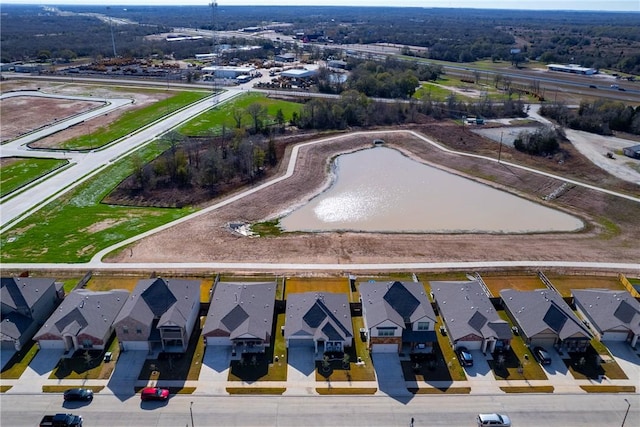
(601, 116)
(592, 39)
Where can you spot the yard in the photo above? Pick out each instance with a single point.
(270, 366)
(88, 364)
(179, 366)
(338, 371)
(496, 283)
(564, 284)
(15, 367)
(295, 285)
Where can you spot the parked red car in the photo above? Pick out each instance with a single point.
(154, 393)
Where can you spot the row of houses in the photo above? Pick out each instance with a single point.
(160, 315)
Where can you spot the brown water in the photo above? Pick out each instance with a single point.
(380, 189)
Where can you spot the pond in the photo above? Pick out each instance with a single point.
(381, 190)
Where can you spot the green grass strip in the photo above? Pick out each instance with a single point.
(211, 122)
(133, 120)
(77, 225)
(24, 171)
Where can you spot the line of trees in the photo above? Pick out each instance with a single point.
(601, 116)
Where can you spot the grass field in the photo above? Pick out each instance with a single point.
(518, 283)
(94, 225)
(211, 122)
(133, 120)
(24, 171)
(564, 284)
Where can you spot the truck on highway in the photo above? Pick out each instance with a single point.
(61, 420)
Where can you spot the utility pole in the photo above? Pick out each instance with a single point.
(191, 412)
(500, 148)
(113, 40)
(214, 6)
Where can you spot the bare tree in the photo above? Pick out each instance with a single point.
(257, 112)
(237, 114)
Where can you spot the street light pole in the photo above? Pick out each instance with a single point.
(191, 412)
(626, 413)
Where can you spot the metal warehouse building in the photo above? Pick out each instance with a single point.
(228, 72)
(572, 68)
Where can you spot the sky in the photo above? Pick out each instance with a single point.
(609, 5)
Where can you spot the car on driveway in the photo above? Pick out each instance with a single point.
(154, 393)
(542, 355)
(465, 358)
(82, 394)
(494, 420)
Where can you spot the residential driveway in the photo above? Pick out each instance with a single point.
(38, 371)
(215, 370)
(558, 374)
(5, 356)
(301, 371)
(627, 358)
(124, 377)
(391, 381)
(480, 376)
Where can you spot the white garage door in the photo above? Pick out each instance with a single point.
(615, 336)
(298, 343)
(224, 341)
(135, 345)
(470, 345)
(51, 344)
(384, 348)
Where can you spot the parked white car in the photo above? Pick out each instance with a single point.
(494, 420)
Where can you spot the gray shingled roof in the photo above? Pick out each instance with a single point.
(609, 310)
(398, 302)
(543, 309)
(467, 310)
(22, 292)
(18, 295)
(241, 309)
(170, 301)
(325, 316)
(85, 311)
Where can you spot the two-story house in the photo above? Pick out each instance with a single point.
(398, 317)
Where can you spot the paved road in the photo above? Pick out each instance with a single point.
(248, 411)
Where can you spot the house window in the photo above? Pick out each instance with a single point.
(125, 329)
(138, 330)
(423, 326)
(87, 343)
(386, 332)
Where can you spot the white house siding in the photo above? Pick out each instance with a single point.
(218, 341)
(384, 348)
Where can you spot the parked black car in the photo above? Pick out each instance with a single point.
(83, 394)
(542, 355)
(465, 358)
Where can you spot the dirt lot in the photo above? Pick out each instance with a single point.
(207, 238)
(24, 114)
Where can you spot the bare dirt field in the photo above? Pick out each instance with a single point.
(22, 115)
(610, 234)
